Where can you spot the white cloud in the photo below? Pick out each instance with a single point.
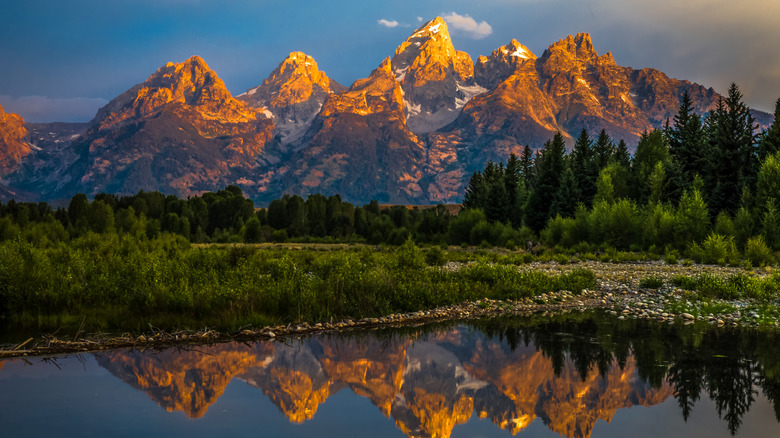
(44, 109)
(468, 25)
(419, 19)
(387, 23)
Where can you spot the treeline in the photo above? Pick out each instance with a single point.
(708, 188)
(227, 216)
(728, 366)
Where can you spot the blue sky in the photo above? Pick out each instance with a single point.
(61, 60)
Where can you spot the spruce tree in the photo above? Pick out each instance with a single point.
(688, 141)
(567, 197)
(730, 129)
(585, 167)
(622, 157)
(604, 149)
(550, 168)
(770, 140)
(476, 192)
(513, 181)
(527, 165)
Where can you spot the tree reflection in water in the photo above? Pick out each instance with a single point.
(568, 371)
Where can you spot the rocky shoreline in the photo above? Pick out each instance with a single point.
(618, 292)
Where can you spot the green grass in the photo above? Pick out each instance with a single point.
(736, 286)
(114, 283)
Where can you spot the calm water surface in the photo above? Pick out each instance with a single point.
(576, 376)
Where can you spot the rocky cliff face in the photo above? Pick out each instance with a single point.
(427, 386)
(13, 146)
(293, 93)
(358, 146)
(181, 380)
(180, 132)
(412, 132)
(436, 79)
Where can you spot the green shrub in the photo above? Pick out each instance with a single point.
(718, 249)
(434, 256)
(652, 282)
(757, 252)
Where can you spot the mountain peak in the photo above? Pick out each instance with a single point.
(431, 39)
(435, 27)
(293, 94)
(190, 83)
(582, 39)
(517, 50)
(437, 80)
(578, 47)
(12, 144)
(293, 81)
(502, 63)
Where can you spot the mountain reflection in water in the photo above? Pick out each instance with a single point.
(568, 374)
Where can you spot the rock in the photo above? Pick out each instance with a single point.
(688, 316)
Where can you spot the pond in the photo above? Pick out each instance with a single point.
(577, 375)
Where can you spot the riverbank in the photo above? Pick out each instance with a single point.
(621, 290)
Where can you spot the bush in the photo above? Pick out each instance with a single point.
(434, 256)
(652, 282)
(720, 250)
(757, 252)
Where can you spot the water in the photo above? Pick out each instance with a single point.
(574, 376)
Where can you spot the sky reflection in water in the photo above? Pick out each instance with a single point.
(569, 378)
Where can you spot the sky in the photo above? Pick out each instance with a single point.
(62, 60)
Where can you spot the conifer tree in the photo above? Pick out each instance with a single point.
(550, 168)
(622, 157)
(513, 181)
(476, 192)
(585, 167)
(526, 166)
(769, 142)
(688, 141)
(567, 197)
(604, 149)
(730, 129)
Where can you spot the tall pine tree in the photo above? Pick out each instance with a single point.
(604, 149)
(585, 167)
(770, 139)
(688, 142)
(550, 167)
(730, 129)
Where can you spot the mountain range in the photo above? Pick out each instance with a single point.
(412, 132)
(427, 386)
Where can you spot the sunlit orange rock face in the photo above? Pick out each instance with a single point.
(371, 368)
(294, 380)
(180, 132)
(13, 146)
(186, 381)
(412, 132)
(358, 144)
(567, 404)
(427, 386)
(293, 93)
(436, 79)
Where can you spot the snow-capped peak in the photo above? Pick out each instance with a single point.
(520, 52)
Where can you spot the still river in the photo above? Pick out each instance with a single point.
(581, 375)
